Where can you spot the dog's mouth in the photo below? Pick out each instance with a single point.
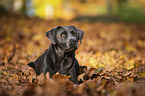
(70, 50)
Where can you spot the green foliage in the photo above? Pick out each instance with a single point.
(131, 13)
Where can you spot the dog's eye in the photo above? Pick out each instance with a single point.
(63, 34)
(75, 34)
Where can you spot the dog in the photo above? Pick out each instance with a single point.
(60, 56)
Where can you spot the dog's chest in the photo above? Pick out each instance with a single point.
(64, 64)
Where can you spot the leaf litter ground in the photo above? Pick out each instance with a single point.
(111, 57)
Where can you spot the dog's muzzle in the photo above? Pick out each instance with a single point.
(72, 41)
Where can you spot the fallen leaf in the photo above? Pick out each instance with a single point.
(99, 70)
(128, 73)
(57, 76)
(41, 78)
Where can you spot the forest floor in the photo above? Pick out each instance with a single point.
(111, 58)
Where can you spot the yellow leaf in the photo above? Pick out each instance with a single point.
(142, 75)
(93, 62)
(98, 54)
(130, 79)
(8, 38)
(122, 57)
(129, 64)
(130, 48)
(37, 37)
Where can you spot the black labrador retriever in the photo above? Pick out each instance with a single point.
(60, 56)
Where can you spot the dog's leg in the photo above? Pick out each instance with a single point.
(74, 79)
(74, 76)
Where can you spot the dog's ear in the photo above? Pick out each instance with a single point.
(52, 34)
(80, 34)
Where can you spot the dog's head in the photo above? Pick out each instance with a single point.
(65, 37)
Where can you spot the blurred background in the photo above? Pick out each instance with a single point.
(92, 10)
(114, 39)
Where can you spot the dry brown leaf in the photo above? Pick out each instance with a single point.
(57, 76)
(41, 78)
(128, 73)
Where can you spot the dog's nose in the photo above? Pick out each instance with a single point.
(73, 40)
